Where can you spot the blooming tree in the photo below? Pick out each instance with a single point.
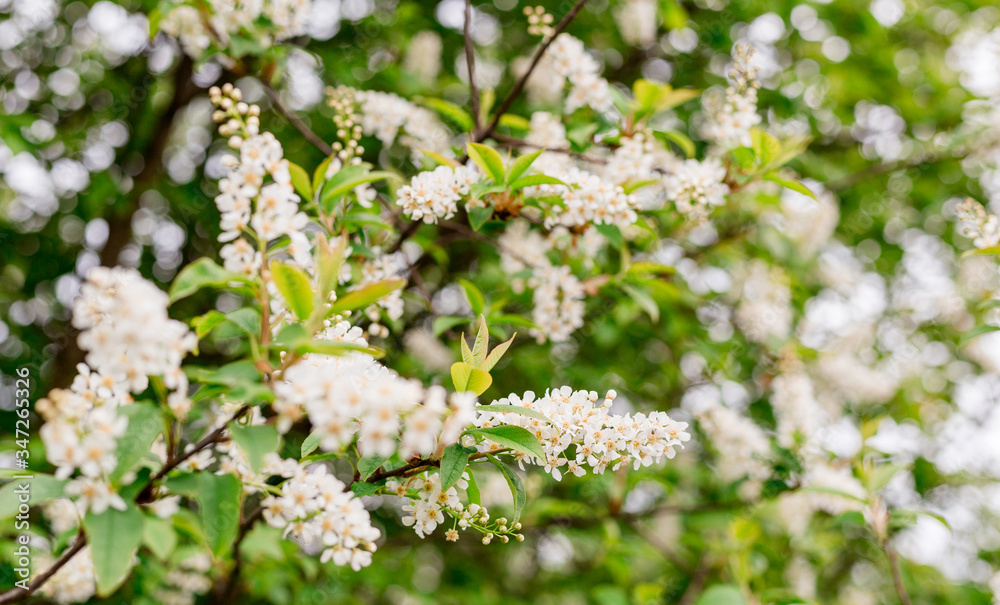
(552, 305)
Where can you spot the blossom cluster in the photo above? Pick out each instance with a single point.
(572, 62)
(434, 194)
(246, 203)
(385, 115)
(599, 438)
(696, 187)
(354, 395)
(197, 26)
(981, 227)
(316, 508)
(731, 115)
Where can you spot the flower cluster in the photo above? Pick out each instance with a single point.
(731, 115)
(558, 303)
(427, 504)
(316, 508)
(742, 447)
(276, 211)
(696, 187)
(186, 581)
(590, 199)
(638, 21)
(354, 395)
(126, 331)
(572, 62)
(384, 115)
(765, 309)
(198, 25)
(976, 224)
(434, 195)
(600, 439)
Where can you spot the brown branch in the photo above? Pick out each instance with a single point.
(519, 86)
(214, 437)
(419, 464)
(897, 576)
(693, 590)
(17, 594)
(470, 63)
(295, 120)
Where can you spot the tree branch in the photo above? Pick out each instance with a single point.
(295, 120)
(17, 594)
(897, 575)
(519, 86)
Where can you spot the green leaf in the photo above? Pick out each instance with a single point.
(476, 299)
(644, 300)
(334, 190)
(219, 507)
(159, 537)
(360, 488)
(645, 267)
(612, 233)
(256, 442)
(513, 409)
(231, 374)
(310, 444)
(145, 423)
(479, 381)
(466, 351)
(514, 437)
(246, 319)
(202, 273)
(479, 216)
(367, 465)
(453, 463)
(294, 286)
(449, 111)
(515, 122)
(681, 140)
(789, 184)
(977, 331)
(365, 295)
(497, 353)
(488, 160)
(991, 250)
(472, 490)
(319, 175)
(114, 538)
(765, 147)
(533, 180)
(300, 181)
(722, 594)
(521, 165)
(440, 159)
(460, 373)
(516, 487)
(479, 348)
(37, 489)
(335, 348)
(447, 322)
(330, 257)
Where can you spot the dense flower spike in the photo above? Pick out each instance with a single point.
(599, 439)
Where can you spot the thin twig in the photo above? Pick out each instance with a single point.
(897, 576)
(693, 590)
(521, 143)
(470, 63)
(16, 594)
(519, 86)
(295, 120)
